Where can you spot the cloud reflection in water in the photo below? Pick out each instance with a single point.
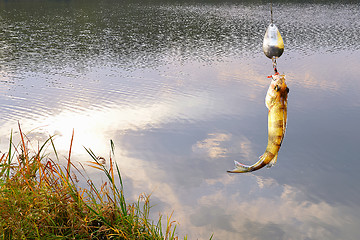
(178, 146)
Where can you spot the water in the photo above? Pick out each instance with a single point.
(179, 87)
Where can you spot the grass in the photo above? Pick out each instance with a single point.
(41, 198)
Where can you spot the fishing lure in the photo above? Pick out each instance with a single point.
(275, 101)
(273, 44)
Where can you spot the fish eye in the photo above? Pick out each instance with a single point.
(276, 88)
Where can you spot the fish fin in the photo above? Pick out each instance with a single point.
(273, 161)
(239, 168)
(242, 168)
(238, 164)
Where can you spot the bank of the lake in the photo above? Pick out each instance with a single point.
(42, 198)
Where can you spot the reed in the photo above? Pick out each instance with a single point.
(41, 198)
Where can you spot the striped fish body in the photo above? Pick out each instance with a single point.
(276, 102)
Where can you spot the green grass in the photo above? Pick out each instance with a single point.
(41, 198)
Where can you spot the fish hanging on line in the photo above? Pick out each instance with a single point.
(276, 102)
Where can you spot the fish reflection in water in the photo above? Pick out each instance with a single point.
(276, 102)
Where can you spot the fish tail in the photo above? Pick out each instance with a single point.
(242, 168)
(267, 159)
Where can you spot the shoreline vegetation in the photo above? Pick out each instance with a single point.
(41, 198)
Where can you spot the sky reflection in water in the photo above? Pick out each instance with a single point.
(181, 103)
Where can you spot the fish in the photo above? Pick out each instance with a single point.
(276, 102)
(273, 44)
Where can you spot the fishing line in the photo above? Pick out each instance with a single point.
(275, 101)
(272, 22)
(271, 13)
(273, 45)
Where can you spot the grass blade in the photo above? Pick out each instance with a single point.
(43, 200)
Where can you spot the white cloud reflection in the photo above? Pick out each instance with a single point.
(91, 126)
(95, 126)
(268, 211)
(243, 206)
(233, 207)
(212, 145)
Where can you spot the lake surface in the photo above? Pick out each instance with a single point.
(179, 87)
